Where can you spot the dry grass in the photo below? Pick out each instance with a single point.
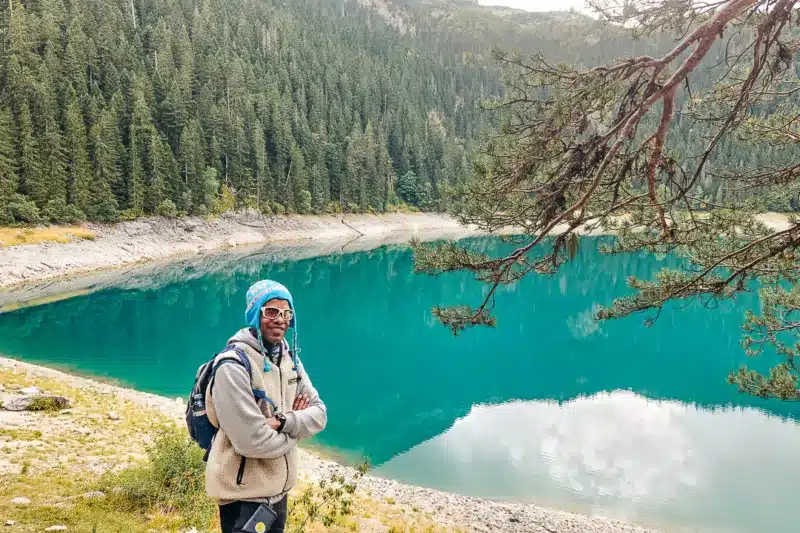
(60, 234)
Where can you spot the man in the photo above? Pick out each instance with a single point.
(253, 458)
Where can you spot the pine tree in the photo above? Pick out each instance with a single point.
(260, 165)
(192, 166)
(154, 191)
(79, 171)
(384, 172)
(106, 171)
(320, 186)
(353, 170)
(369, 184)
(141, 131)
(9, 181)
(30, 165)
(297, 183)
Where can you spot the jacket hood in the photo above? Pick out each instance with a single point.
(246, 336)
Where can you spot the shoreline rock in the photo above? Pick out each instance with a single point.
(37, 402)
(445, 509)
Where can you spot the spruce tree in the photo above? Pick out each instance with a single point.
(261, 177)
(28, 155)
(79, 170)
(107, 148)
(192, 166)
(9, 181)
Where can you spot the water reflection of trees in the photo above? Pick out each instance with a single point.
(392, 376)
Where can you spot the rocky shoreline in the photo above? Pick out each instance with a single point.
(158, 239)
(119, 251)
(444, 509)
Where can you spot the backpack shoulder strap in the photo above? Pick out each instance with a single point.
(223, 358)
(242, 358)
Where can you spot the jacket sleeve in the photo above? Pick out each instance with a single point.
(240, 418)
(311, 420)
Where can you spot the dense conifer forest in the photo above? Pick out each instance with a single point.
(114, 109)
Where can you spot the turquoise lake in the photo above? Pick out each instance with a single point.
(611, 419)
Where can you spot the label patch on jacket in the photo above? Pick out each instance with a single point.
(294, 380)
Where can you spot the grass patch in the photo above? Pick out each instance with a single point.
(47, 403)
(56, 500)
(60, 234)
(21, 434)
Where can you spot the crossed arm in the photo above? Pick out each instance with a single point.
(250, 433)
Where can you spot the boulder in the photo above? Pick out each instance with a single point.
(56, 528)
(31, 390)
(10, 522)
(113, 416)
(20, 500)
(37, 402)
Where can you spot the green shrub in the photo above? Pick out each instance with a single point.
(129, 214)
(250, 202)
(278, 208)
(209, 186)
(47, 403)
(167, 209)
(104, 210)
(58, 212)
(226, 201)
(173, 480)
(333, 207)
(6, 218)
(326, 502)
(20, 209)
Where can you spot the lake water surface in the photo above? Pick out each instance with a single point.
(550, 407)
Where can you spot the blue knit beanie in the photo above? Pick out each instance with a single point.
(259, 294)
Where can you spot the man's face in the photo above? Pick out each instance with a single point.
(274, 329)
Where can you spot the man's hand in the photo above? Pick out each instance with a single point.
(300, 403)
(274, 423)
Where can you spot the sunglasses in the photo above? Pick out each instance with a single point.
(273, 313)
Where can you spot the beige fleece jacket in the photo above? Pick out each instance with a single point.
(248, 460)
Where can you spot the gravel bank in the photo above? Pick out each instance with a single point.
(450, 510)
(157, 239)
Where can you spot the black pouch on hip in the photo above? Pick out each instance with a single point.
(254, 518)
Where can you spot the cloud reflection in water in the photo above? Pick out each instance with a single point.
(621, 455)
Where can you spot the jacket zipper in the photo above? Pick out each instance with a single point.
(240, 474)
(280, 387)
(280, 379)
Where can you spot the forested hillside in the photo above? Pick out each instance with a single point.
(120, 108)
(114, 109)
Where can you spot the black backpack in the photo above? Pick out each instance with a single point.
(200, 427)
